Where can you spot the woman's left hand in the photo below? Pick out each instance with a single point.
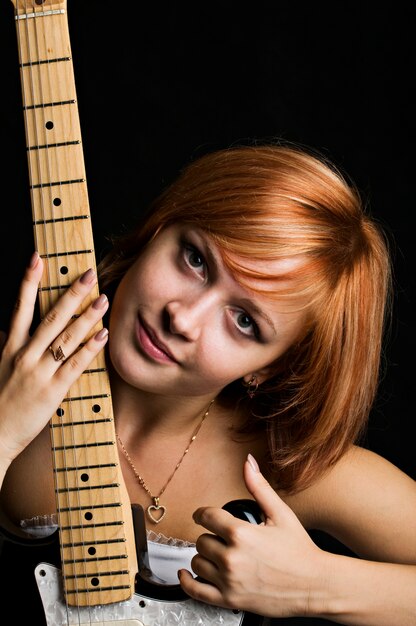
(272, 569)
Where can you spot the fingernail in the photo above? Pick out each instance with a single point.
(253, 463)
(34, 259)
(179, 574)
(102, 334)
(87, 277)
(100, 302)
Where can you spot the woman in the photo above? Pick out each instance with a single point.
(245, 329)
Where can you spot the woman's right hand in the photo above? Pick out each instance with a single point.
(32, 382)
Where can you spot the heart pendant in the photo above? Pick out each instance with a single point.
(154, 507)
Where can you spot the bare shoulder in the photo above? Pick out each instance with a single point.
(367, 503)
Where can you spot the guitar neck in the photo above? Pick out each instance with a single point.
(96, 533)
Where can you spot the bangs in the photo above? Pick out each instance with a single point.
(296, 281)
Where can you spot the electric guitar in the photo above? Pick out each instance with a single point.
(95, 567)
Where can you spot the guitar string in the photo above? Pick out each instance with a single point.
(22, 29)
(68, 438)
(76, 192)
(46, 193)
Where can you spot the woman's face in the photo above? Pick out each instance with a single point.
(181, 324)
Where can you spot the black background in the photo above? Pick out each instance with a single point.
(159, 84)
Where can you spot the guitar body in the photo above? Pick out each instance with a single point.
(34, 565)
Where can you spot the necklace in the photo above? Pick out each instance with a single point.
(157, 509)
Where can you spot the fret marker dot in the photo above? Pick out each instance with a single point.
(49, 125)
(60, 412)
(57, 201)
(88, 515)
(95, 582)
(92, 551)
(96, 408)
(85, 477)
(63, 269)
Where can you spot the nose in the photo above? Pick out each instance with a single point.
(187, 316)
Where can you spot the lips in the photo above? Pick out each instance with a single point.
(152, 345)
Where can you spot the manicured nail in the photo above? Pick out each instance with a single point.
(34, 260)
(100, 302)
(88, 277)
(102, 334)
(253, 463)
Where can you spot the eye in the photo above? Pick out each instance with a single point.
(193, 257)
(246, 324)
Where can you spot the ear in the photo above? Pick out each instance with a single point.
(260, 375)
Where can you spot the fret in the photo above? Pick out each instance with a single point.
(55, 145)
(81, 423)
(41, 61)
(107, 573)
(80, 592)
(94, 444)
(78, 398)
(85, 467)
(52, 255)
(56, 220)
(101, 518)
(74, 509)
(43, 105)
(93, 559)
(87, 488)
(91, 497)
(85, 527)
(88, 499)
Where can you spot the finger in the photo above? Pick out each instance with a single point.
(269, 501)
(210, 546)
(201, 591)
(218, 521)
(70, 339)
(73, 367)
(25, 304)
(59, 316)
(205, 569)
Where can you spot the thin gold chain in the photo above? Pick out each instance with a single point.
(156, 506)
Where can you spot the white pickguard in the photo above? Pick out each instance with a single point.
(138, 611)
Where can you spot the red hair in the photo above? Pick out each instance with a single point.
(277, 202)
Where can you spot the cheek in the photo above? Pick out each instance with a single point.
(221, 361)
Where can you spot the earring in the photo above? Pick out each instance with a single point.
(252, 386)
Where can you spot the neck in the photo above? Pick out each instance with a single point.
(139, 412)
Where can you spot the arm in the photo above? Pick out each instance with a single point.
(32, 382)
(276, 570)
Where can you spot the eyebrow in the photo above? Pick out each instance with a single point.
(212, 259)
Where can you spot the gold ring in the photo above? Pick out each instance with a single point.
(58, 354)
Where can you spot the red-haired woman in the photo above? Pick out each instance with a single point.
(245, 324)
